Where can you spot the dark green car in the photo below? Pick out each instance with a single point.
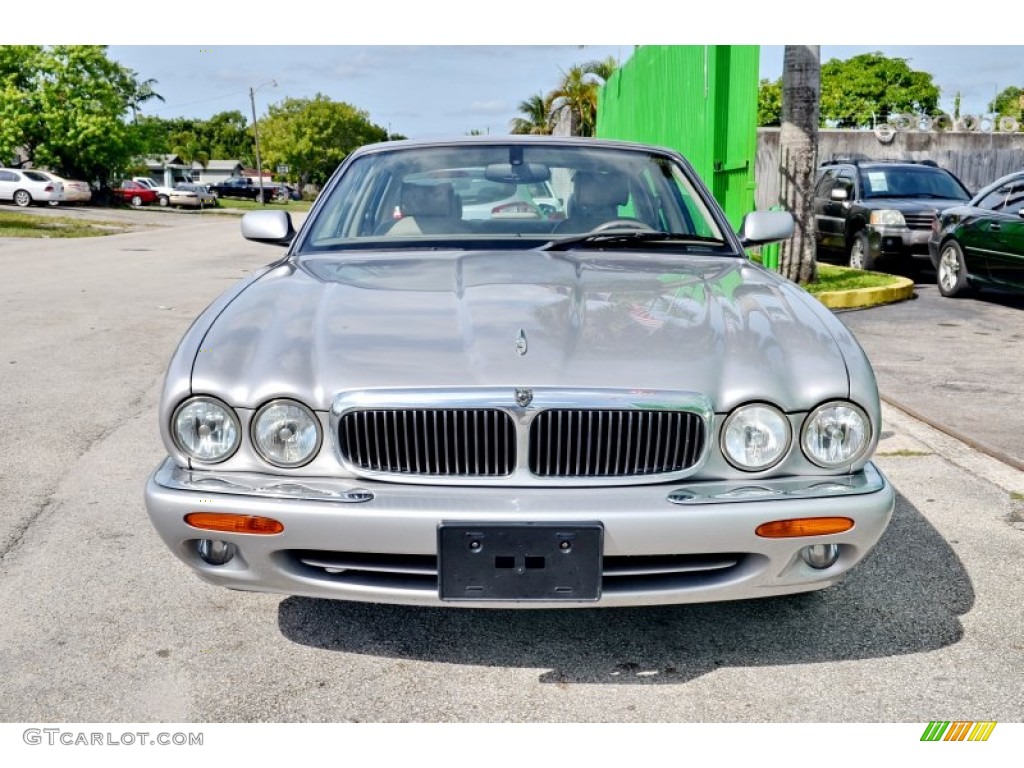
(981, 244)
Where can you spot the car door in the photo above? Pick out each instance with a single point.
(828, 213)
(1006, 257)
(8, 183)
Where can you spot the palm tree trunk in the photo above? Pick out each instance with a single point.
(798, 157)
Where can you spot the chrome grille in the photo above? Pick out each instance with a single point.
(919, 220)
(472, 442)
(614, 443)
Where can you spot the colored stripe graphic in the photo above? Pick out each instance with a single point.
(959, 730)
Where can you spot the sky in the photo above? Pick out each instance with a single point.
(448, 67)
(432, 91)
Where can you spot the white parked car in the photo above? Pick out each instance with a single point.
(75, 191)
(27, 187)
(163, 194)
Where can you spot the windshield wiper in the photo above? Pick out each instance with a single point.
(616, 239)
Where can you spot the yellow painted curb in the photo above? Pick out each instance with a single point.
(868, 297)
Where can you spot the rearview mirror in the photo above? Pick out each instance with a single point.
(524, 173)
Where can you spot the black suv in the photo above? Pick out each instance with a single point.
(877, 213)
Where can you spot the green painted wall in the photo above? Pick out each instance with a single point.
(698, 99)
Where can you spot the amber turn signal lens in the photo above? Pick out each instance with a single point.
(222, 521)
(805, 526)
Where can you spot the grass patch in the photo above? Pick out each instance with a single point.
(28, 225)
(1017, 495)
(903, 452)
(833, 278)
(292, 206)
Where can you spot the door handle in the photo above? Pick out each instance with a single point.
(996, 227)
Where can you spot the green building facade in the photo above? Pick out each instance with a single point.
(700, 100)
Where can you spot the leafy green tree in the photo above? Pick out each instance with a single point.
(537, 116)
(313, 136)
(769, 102)
(869, 88)
(1009, 102)
(65, 107)
(19, 123)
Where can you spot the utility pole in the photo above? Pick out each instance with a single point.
(256, 133)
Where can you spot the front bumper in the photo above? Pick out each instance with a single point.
(685, 542)
(897, 241)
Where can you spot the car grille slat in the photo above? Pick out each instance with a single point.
(623, 443)
(562, 442)
(919, 220)
(434, 442)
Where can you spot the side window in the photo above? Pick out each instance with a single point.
(825, 184)
(7, 176)
(993, 201)
(847, 180)
(1014, 200)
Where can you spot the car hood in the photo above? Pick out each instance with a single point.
(312, 327)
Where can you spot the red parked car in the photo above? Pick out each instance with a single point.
(134, 193)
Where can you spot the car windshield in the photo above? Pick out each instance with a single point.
(509, 194)
(919, 181)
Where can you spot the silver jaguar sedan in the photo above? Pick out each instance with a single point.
(606, 405)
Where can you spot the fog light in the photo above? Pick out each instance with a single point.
(215, 552)
(820, 556)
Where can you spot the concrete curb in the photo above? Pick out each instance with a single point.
(868, 297)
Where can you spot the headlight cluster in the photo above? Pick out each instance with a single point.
(284, 433)
(887, 217)
(756, 437)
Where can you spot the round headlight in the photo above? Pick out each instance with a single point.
(836, 434)
(755, 437)
(285, 433)
(205, 429)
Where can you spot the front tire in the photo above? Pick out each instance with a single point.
(22, 199)
(136, 201)
(951, 274)
(860, 252)
(164, 201)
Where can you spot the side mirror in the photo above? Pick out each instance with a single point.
(273, 227)
(762, 227)
(840, 193)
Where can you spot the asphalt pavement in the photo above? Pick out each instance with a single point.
(955, 363)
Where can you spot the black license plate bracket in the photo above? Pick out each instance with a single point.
(520, 562)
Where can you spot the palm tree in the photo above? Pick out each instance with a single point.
(537, 109)
(577, 94)
(798, 153)
(140, 93)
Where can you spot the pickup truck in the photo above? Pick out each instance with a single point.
(244, 187)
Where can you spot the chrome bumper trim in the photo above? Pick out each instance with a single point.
(868, 481)
(170, 475)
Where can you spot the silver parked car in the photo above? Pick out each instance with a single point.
(608, 407)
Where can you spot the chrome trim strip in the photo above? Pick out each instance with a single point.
(786, 489)
(504, 399)
(171, 476)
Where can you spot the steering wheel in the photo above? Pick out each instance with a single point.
(632, 224)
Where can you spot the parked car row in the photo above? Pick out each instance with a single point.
(895, 215)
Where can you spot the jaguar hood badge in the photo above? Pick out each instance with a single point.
(521, 345)
(524, 397)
